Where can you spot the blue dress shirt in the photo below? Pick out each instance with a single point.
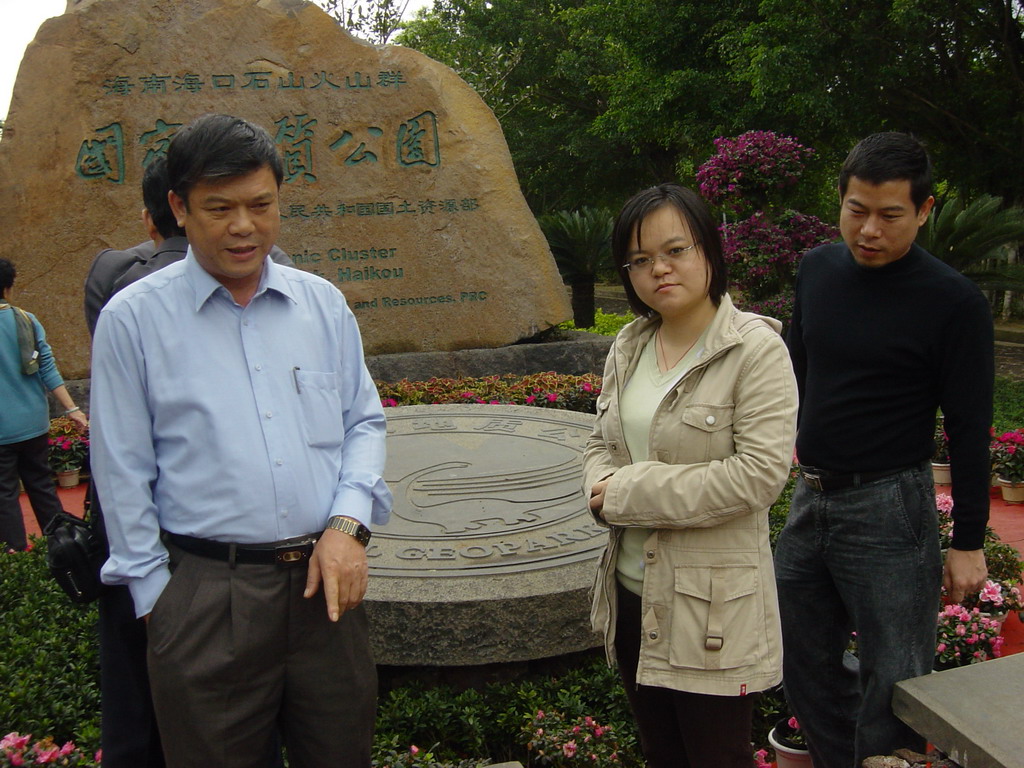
(240, 424)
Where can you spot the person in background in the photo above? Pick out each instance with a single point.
(27, 372)
(692, 444)
(883, 334)
(239, 451)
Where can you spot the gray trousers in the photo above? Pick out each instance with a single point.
(236, 654)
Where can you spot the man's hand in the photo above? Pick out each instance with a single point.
(340, 562)
(965, 572)
(597, 497)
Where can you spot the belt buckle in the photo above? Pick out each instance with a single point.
(812, 480)
(291, 554)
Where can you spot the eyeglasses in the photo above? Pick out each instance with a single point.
(639, 263)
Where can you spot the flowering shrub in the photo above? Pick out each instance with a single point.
(550, 740)
(763, 254)
(966, 637)
(944, 505)
(391, 756)
(996, 597)
(788, 733)
(746, 169)
(67, 453)
(1008, 456)
(543, 390)
(68, 446)
(16, 749)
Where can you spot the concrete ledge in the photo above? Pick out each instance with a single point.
(580, 353)
(973, 713)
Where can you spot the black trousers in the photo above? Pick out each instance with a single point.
(26, 459)
(679, 729)
(238, 656)
(128, 730)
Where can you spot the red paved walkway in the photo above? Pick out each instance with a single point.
(1006, 520)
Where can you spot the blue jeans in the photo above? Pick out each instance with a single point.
(863, 559)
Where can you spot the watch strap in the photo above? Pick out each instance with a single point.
(352, 527)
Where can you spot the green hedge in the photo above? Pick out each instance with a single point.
(49, 659)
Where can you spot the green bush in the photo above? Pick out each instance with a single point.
(471, 723)
(1008, 405)
(49, 657)
(605, 323)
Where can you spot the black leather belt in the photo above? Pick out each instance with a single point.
(824, 480)
(287, 552)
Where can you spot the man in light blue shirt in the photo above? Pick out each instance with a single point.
(238, 446)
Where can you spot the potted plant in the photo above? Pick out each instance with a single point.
(940, 459)
(789, 743)
(966, 637)
(1008, 464)
(996, 599)
(68, 451)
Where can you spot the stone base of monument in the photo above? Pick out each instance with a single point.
(491, 551)
(971, 713)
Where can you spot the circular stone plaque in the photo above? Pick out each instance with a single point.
(490, 551)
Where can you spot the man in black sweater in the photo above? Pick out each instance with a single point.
(883, 334)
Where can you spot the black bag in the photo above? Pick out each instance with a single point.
(75, 553)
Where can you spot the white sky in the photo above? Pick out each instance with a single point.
(19, 21)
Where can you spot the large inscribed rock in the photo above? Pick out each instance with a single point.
(398, 188)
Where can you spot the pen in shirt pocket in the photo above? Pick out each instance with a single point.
(295, 378)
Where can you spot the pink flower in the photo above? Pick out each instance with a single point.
(16, 758)
(552, 397)
(413, 749)
(991, 593)
(67, 749)
(14, 741)
(531, 399)
(44, 756)
(792, 723)
(944, 502)
(940, 648)
(569, 748)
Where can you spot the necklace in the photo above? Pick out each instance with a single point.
(664, 357)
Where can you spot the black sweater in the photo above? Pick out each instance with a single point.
(876, 352)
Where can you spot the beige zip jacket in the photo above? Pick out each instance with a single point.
(720, 451)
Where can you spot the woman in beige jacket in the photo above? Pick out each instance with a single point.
(692, 444)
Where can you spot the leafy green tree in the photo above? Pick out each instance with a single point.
(977, 239)
(519, 57)
(952, 73)
(372, 20)
(580, 241)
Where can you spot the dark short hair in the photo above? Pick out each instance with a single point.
(154, 197)
(219, 147)
(702, 225)
(889, 156)
(7, 275)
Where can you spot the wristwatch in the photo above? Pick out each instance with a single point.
(352, 527)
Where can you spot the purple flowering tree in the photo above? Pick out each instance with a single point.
(750, 176)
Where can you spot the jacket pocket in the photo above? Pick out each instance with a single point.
(320, 401)
(713, 424)
(717, 617)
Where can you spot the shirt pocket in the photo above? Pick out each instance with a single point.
(717, 617)
(709, 436)
(320, 403)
